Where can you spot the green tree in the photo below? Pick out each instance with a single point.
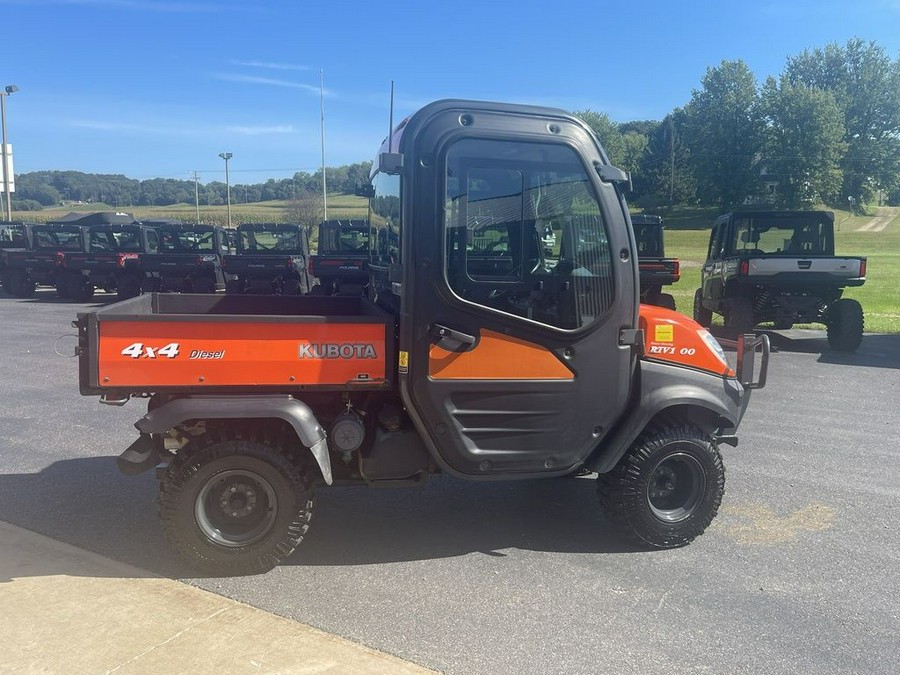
(865, 84)
(666, 164)
(804, 142)
(305, 209)
(608, 132)
(724, 131)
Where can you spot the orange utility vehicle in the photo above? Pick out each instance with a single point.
(477, 353)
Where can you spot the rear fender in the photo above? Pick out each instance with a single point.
(679, 395)
(296, 413)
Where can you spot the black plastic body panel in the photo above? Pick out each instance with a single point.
(490, 429)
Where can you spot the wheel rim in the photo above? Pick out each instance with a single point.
(676, 487)
(236, 508)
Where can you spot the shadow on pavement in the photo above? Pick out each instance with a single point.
(87, 503)
(878, 350)
(48, 296)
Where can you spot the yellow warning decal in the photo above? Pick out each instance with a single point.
(664, 332)
(403, 362)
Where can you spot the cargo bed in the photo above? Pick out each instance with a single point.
(160, 343)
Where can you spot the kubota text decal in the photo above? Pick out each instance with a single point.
(337, 351)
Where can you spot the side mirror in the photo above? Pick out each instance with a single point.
(366, 190)
(390, 163)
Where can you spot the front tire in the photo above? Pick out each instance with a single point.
(845, 324)
(667, 488)
(235, 507)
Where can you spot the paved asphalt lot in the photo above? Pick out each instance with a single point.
(797, 574)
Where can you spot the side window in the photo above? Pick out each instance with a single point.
(152, 241)
(384, 220)
(524, 233)
(746, 237)
(714, 242)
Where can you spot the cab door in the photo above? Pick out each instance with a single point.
(510, 338)
(713, 272)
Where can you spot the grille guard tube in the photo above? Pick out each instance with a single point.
(747, 347)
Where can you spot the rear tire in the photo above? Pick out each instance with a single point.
(18, 284)
(235, 507)
(78, 288)
(739, 315)
(205, 285)
(702, 315)
(128, 287)
(667, 488)
(845, 325)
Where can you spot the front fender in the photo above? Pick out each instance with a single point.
(714, 401)
(296, 413)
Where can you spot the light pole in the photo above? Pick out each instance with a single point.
(9, 89)
(226, 156)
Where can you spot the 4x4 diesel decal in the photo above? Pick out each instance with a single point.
(139, 350)
(335, 350)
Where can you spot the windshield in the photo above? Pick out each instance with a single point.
(793, 234)
(186, 241)
(271, 241)
(114, 241)
(56, 240)
(344, 238)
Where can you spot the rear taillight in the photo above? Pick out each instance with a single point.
(745, 268)
(290, 263)
(862, 268)
(310, 268)
(676, 270)
(60, 259)
(123, 257)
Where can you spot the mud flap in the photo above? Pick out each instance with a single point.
(140, 456)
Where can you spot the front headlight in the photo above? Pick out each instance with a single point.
(713, 345)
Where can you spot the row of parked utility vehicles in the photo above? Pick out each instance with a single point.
(116, 253)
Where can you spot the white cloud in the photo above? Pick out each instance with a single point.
(268, 81)
(269, 65)
(148, 128)
(261, 130)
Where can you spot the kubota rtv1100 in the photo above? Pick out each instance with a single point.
(479, 352)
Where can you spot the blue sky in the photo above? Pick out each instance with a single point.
(158, 88)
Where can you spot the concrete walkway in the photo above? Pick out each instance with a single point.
(65, 610)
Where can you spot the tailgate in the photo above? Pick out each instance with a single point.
(839, 268)
(143, 346)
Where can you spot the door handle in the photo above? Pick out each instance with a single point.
(451, 340)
